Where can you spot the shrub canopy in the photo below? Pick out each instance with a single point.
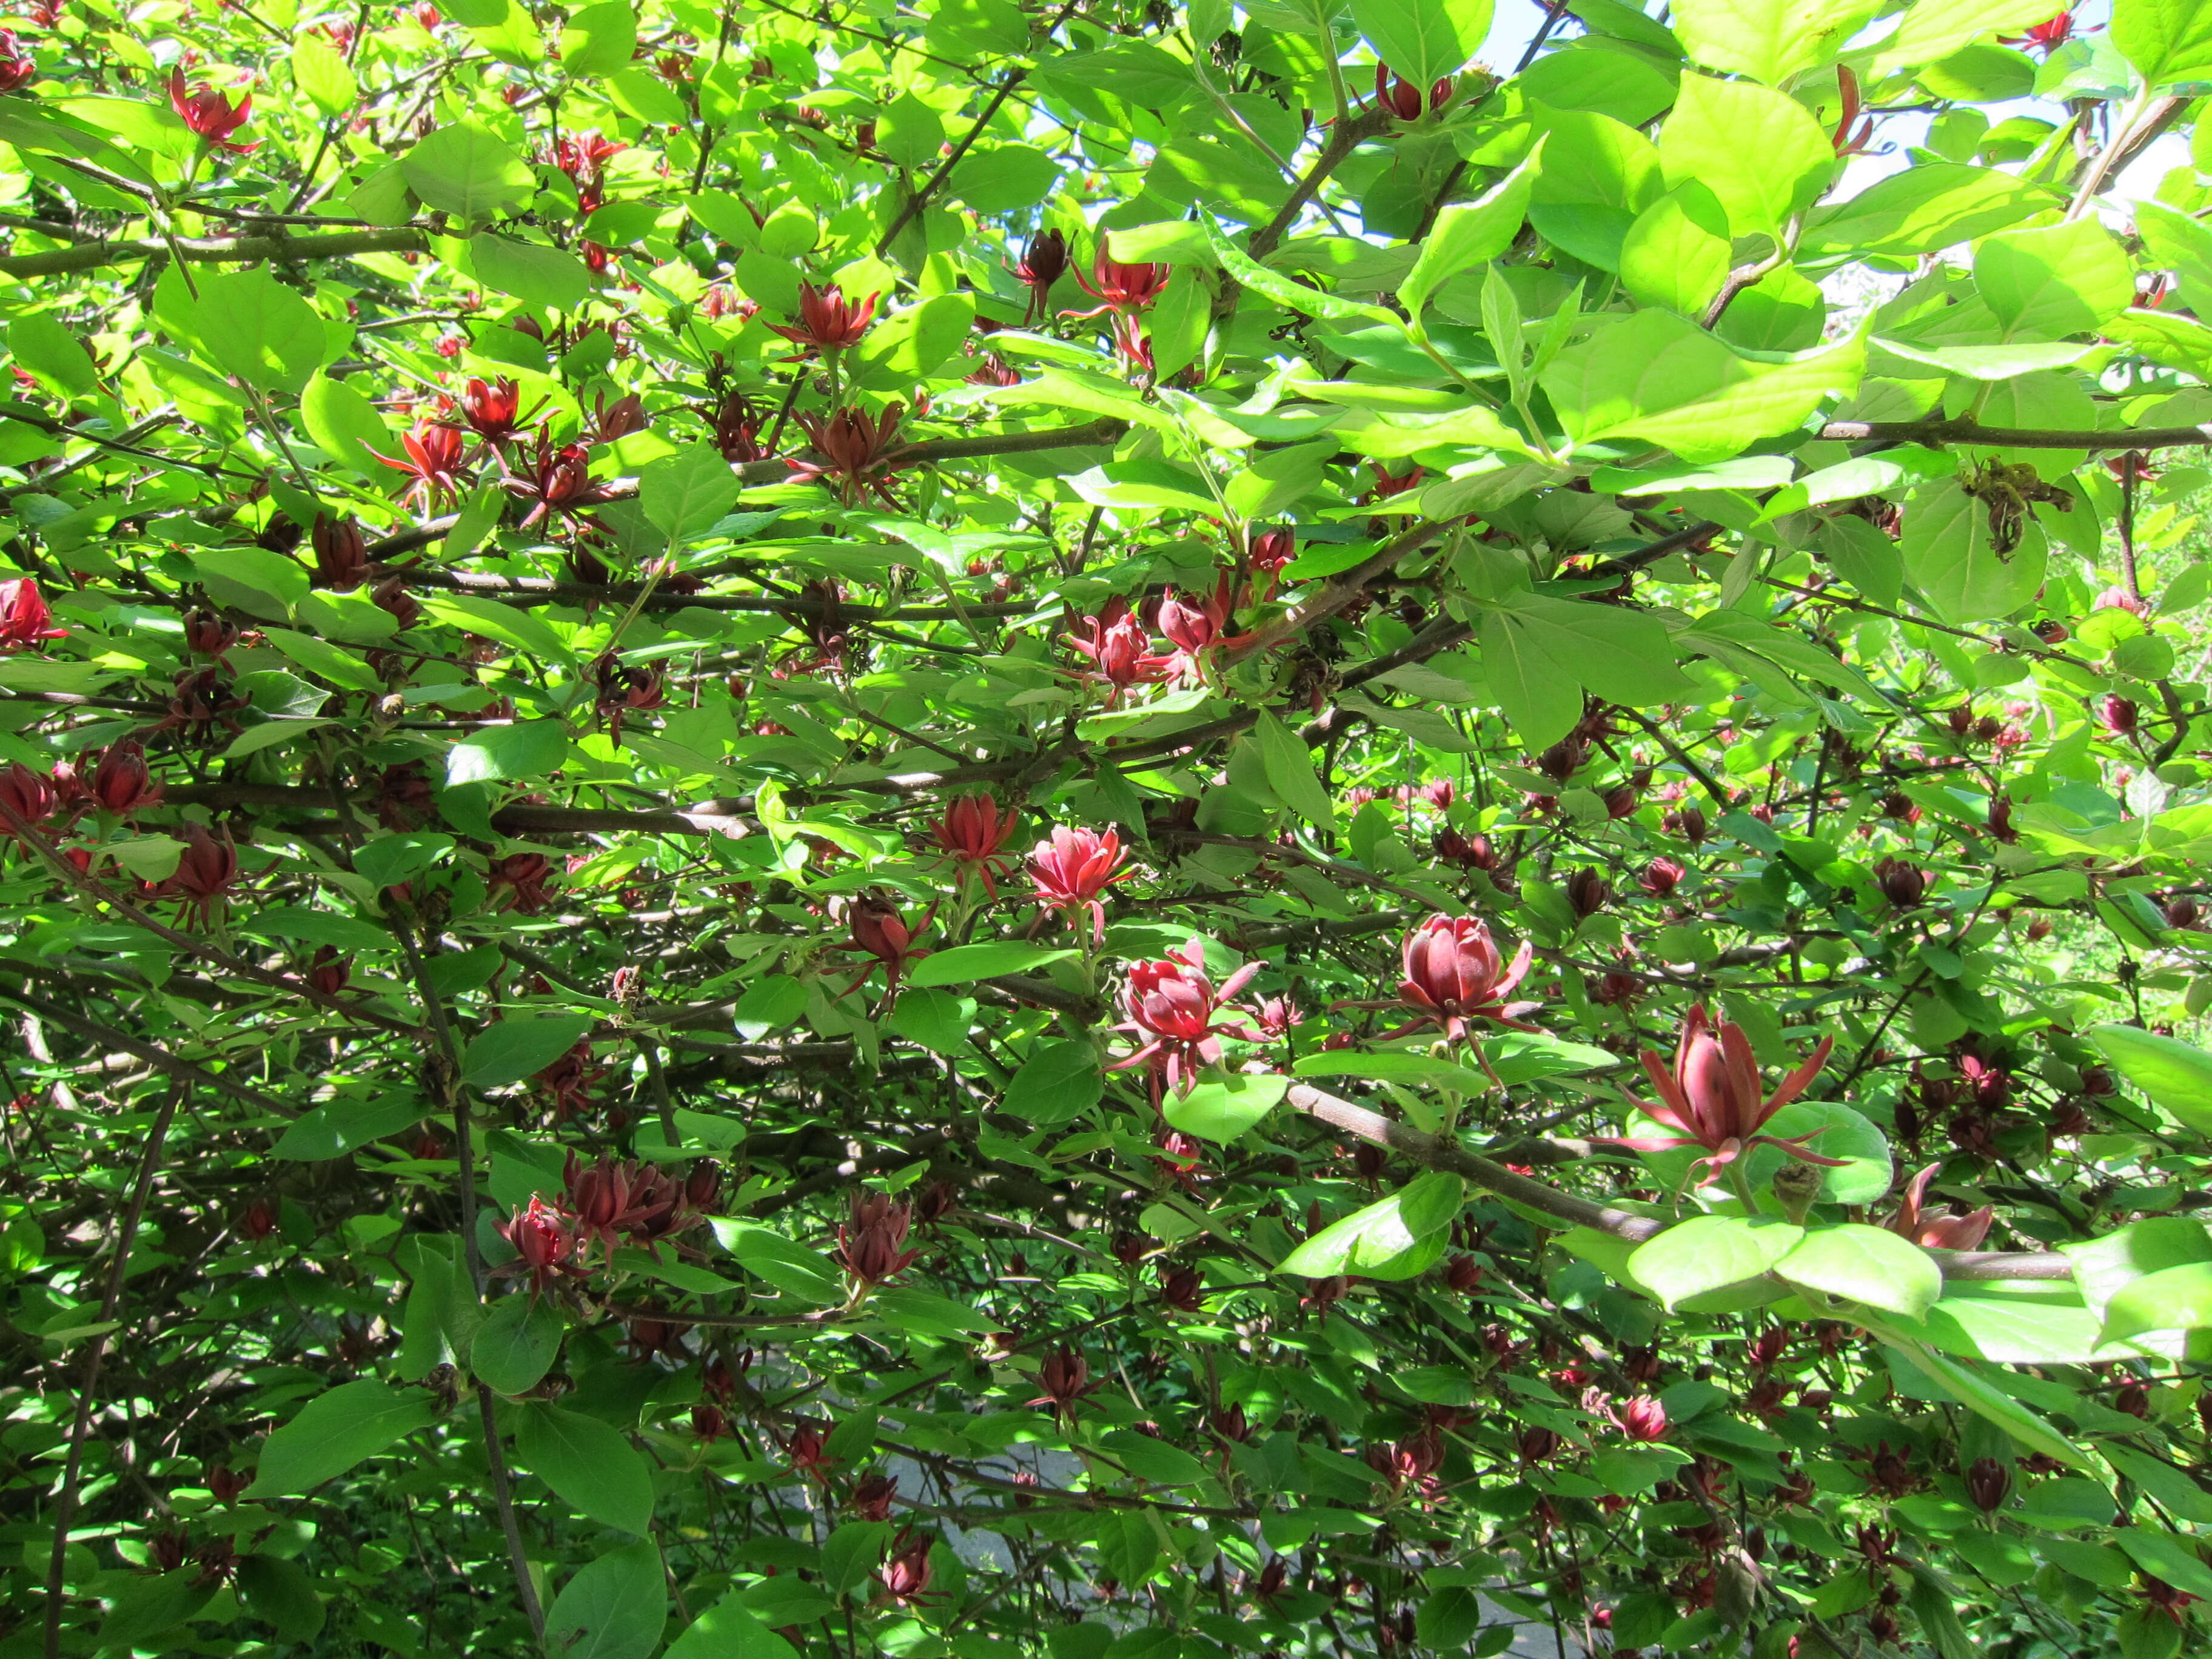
(1111, 832)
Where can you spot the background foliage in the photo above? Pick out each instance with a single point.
(848, 828)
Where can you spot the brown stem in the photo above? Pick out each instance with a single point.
(65, 1501)
(915, 203)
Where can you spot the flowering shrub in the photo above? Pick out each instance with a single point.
(979, 831)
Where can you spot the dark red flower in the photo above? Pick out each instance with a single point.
(872, 1498)
(2119, 715)
(1713, 1097)
(1903, 884)
(880, 930)
(1044, 262)
(119, 783)
(30, 795)
(341, 552)
(1121, 289)
(1405, 100)
(329, 972)
(545, 1245)
(1065, 1378)
(1270, 549)
(855, 451)
(434, 461)
(1173, 1005)
(1454, 974)
(1120, 650)
(2045, 37)
(1943, 1232)
(971, 831)
(1661, 876)
(1073, 868)
(737, 423)
(493, 410)
(624, 689)
(612, 1201)
(871, 1242)
(1989, 1482)
(206, 871)
(25, 620)
(209, 113)
(17, 67)
(518, 880)
(556, 478)
(827, 320)
(905, 1577)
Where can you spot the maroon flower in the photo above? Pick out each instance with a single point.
(341, 552)
(855, 451)
(206, 871)
(737, 423)
(1712, 1098)
(1661, 876)
(1903, 884)
(613, 1201)
(17, 67)
(493, 410)
(556, 478)
(971, 831)
(905, 1577)
(1587, 893)
(328, 972)
(545, 1245)
(119, 783)
(827, 320)
(1942, 1232)
(1121, 289)
(1989, 1482)
(1273, 548)
(209, 113)
(880, 930)
(434, 461)
(1073, 870)
(1454, 974)
(1173, 1005)
(25, 618)
(873, 1497)
(872, 1244)
(1404, 100)
(1065, 1378)
(30, 795)
(624, 689)
(518, 880)
(1044, 262)
(2119, 715)
(1120, 650)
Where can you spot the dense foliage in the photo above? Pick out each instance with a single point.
(1114, 831)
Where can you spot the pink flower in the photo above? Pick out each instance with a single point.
(1454, 974)
(1119, 288)
(827, 320)
(1120, 650)
(1172, 1004)
(545, 1243)
(25, 620)
(1713, 1097)
(210, 114)
(970, 832)
(1643, 1419)
(1073, 870)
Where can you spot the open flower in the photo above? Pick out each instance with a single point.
(1404, 100)
(1454, 974)
(855, 451)
(18, 69)
(493, 410)
(1119, 288)
(1120, 650)
(1713, 1097)
(434, 461)
(879, 930)
(545, 1245)
(827, 320)
(554, 479)
(210, 114)
(1173, 1005)
(25, 619)
(971, 831)
(1073, 868)
(1939, 1233)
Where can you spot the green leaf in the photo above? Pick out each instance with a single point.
(615, 1608)
(321, 70)
(252, 325)
(147, 1608)
(1677, 253)
(1709, 1253)
(280, 1592)
(1290, 769)
(1921, 208)
(2055, 280)
(509, 624)
(1467, 234)
(2169, 42)
(963, 964)
(1395, 1068)
(544, 278)
(1658, 376)
(338, 1126)
(345, 425)
(1759, 151)
(1400, 1237)
(1273, 285)
(2173, 1074)
(1770, 40)
(1934, 29)
(335, 1430)
(2172, 1299)
(591, 1466)
(2160, 1554)
(598, 40)
(1951, 556)
(787, 1265)
(727, 1631)
(1151, 1459)
(332, 663)
(1221, 1109)
(914, 343)
(528, 749)
(1423, 41)
(1979, 1395)
(1866, 1265)
(516, 1344)
(1059, 1082)
(467, 171)
(686, 494)
(1539, 697)
(510, 1050)
(910, 131)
